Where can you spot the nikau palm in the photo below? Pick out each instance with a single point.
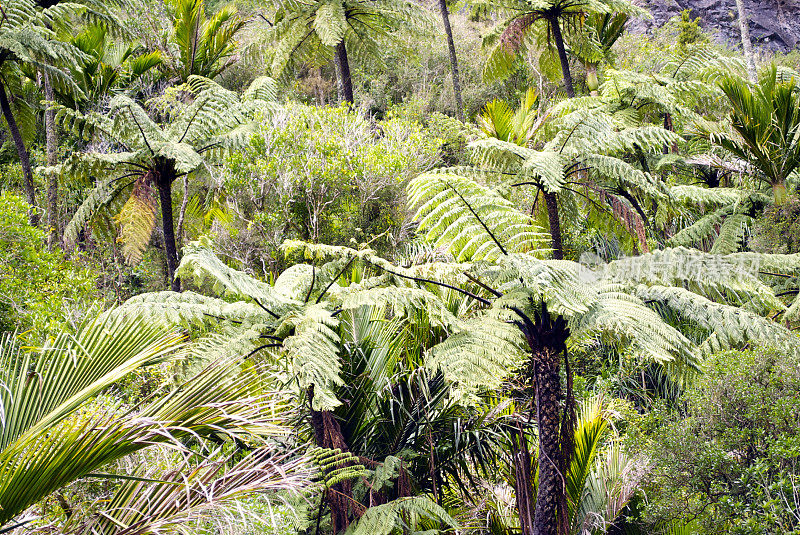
(766, 121)
(154, 156)
(206, 44)
(109, 68)
(50, 436)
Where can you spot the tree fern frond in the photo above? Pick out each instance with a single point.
(732, 234)
(729, 327)
(312, 346)
(472, 221)
(481, 355)
(402, 514)
(200, 264)
(137, 219)
(701, 231)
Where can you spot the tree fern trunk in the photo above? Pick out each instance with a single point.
(165, 178)
(328, 434)
(551, 483)
(22, 152)
(343, 78)
(51, 144)
(453, 58)
(551, 200)
(523, 487)
(562, 56)
(747, 44)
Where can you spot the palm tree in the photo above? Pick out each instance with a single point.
(206, 45)
(533, 310)
(594, 45)
(154, 156)
(49, 439)
(766, 122)
(514, 35)
(315, 31)
(109, 67)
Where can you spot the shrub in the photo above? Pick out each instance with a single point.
(322, 174)
(39, 289)
(778, 229)
(731, 459)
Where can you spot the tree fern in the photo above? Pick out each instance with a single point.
(154, 156)
(400, 515)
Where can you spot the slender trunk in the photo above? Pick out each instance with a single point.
(551, 481)
(184, 206)
(669, 125)
(343, 78)
(51, 144)
(779, 192)
(22, 152)
(551, 200)
(592, 81)
(165, 178)
(562, 56)
(328, 434)
(523, 487)
(747, 44)
(453, 58)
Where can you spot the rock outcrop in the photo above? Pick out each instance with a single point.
(774, 24)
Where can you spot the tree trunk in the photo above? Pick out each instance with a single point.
(551, 200)
(747, 44)
(328, 434)
(453, 58)
(51, 143)
(592, 81)
(668, 125)
(551, 481)
(24, 157)
(343, 78)
(165, 178)
(523, 488)
(779, 192)
(562, 56)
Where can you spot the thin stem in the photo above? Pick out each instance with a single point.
(436, 283)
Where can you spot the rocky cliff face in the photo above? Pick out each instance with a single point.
(774, 24)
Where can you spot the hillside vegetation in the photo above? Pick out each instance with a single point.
(392, 267)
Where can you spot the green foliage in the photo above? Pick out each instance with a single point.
(109, 67)
(766, 122)
(730, 458)
(39, 289)
(776, 230)
(689, 31)
(206, 45)
(213, 124)
(400, 515)
(322, 175)
(307, 31)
